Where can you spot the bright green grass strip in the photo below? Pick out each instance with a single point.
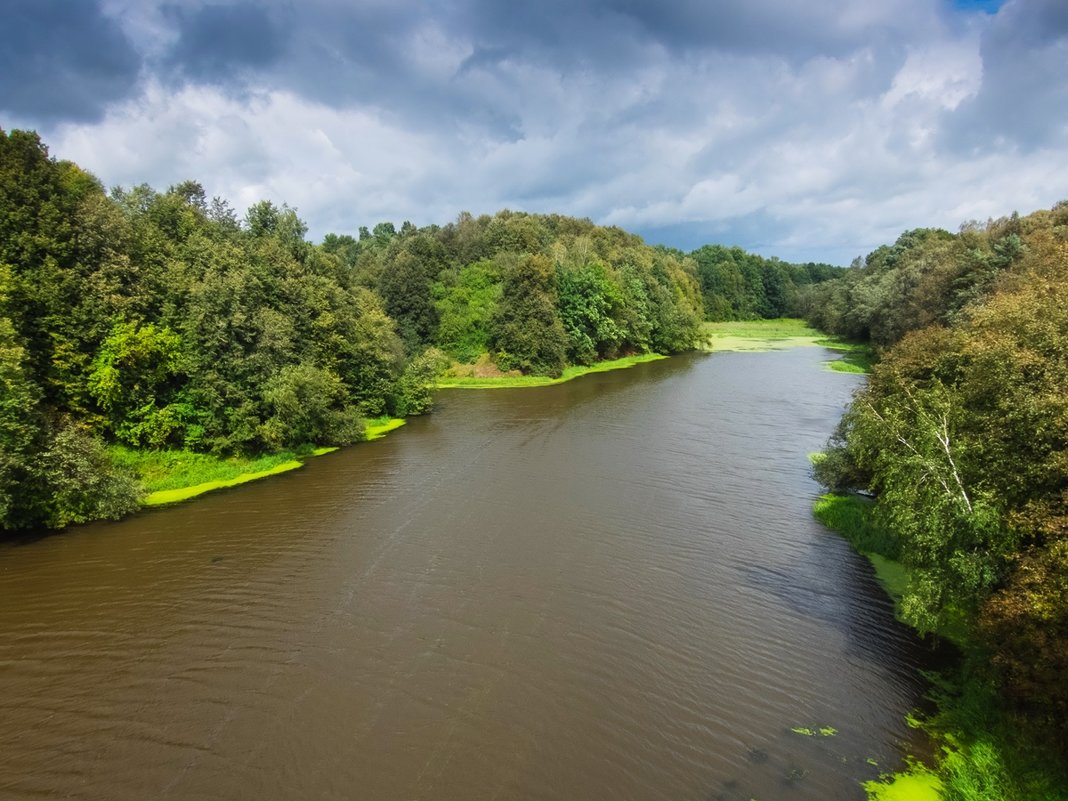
(842, 366)
(178, 469)
(378, 428)
(170, 476)
(851, 516)
(502, 382)
(184, 493)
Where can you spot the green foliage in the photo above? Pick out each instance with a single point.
(589, 304)
(740, 286)
(82, 483)
(414, 389)
(1027, 621)
(405, 286)
(962, 435)
(466, 301)
(20, 424)
(950, 533)
(928, 276)
(307, 404)
(526, 333)
(132, 381)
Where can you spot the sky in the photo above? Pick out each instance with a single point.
(811, 131)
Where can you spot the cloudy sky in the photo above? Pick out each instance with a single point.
(812, 130)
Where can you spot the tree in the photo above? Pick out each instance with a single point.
(308, 404)
(133, 380)
(20, 422)
(588, 302)
(405, 287)
(80, 481)
(466, 301)
(526, 333)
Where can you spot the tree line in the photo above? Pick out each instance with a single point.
(737, 285)
(164, 320)
(961, 435)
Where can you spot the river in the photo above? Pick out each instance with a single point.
(611, 588)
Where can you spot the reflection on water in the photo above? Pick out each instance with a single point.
(608, 589)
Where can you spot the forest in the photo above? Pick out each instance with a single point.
(961, 438)
(134, 320)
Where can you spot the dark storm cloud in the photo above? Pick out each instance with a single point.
(62, 60)
(219, 44)
(1023, 99)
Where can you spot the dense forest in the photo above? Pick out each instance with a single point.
(736, 285)
(961, 436)
(163, 320)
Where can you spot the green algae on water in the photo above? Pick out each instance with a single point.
(916, 784)
(818, 731)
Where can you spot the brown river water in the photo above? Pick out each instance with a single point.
(607, 589)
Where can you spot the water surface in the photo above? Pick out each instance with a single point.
(607, 589)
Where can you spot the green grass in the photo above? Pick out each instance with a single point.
(780, 328)
(503, 382)
(783, 334)
(380, 426)
(161, 497)
(178, 470)
(851, 516)
(170, 476)
(759, 335)
(857, 357)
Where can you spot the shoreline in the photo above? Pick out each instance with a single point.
(569, 374)
(163, 496)
(976, 744)
(376, 429)
(784, 333)
(747, 336)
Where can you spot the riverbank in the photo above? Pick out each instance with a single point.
(750, 336)
(986, 753)
(171, 476)
(570, 373)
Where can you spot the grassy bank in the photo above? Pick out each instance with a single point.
(850, 516)
(759, 335)
(783, 334)
(986, 754)
(170, 476)
(505, 381)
